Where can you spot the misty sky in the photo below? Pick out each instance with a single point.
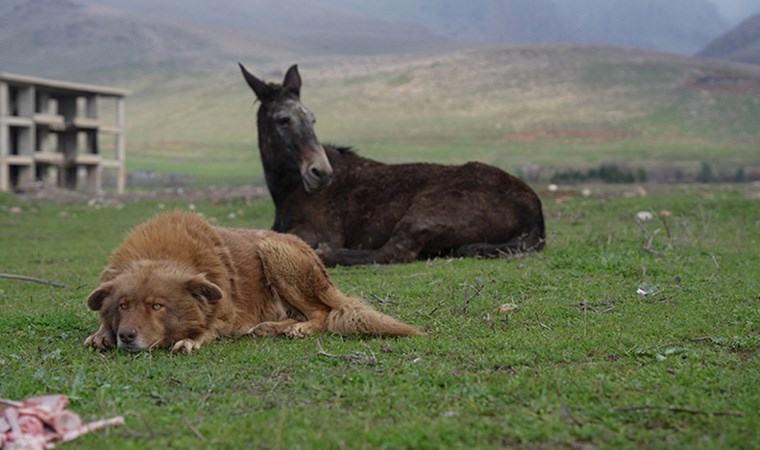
(734, 11)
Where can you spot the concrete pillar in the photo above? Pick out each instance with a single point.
(4, 138)
(121, 176)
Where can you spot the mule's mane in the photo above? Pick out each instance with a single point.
(342, 149)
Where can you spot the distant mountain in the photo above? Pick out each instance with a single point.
(741, 44)
(92, 40)
(62, 38)
(680, 26)
(736, 11)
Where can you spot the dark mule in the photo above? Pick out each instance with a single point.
(354, 210)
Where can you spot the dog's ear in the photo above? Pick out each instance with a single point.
(109, 273)
(202, 289)
(98, 296)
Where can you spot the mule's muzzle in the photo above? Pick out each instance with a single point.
(316, 172)
(317, 179)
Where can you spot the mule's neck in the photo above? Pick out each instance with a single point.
(281, 172)
(281, 180)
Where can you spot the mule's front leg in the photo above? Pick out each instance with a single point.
(401, 248)
(346, 256)
(351, 257)
(324, 251)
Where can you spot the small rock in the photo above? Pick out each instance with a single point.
(507, 308)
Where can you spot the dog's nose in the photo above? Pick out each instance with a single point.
(127, 335)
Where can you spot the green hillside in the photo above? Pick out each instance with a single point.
(554, 107)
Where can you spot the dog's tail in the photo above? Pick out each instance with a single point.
(352, 316)
(298, 278)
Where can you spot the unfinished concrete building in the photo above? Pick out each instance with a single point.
(59, 133)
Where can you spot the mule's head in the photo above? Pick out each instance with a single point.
(286, 131)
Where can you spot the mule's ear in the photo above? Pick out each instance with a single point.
(200, 288)
(260, 88)
(292, 80)
(98, 296)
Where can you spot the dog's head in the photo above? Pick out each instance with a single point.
(154, 305)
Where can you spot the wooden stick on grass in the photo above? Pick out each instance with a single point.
(676, 409)
(11, 276)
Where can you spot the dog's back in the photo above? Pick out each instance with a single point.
(181, 237)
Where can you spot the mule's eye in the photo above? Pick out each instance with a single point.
(123, 306)
(283, 121)
(157, 306)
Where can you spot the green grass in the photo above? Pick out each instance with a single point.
(511, 106)
(231, 166)
(585, 362)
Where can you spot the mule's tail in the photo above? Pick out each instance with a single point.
(352, 316)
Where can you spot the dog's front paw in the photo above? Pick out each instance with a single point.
(186, 346)
(299, 330)
(263, 330)
(101, 340)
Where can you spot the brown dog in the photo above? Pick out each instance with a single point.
(177, 282)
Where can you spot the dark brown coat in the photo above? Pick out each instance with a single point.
(354, 210)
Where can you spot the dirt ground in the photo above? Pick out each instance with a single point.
(247, 193)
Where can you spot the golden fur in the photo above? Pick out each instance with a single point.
(177, 282)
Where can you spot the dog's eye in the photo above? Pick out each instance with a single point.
(123, 306)
(157, 306)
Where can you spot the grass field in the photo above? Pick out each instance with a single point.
(585, 362)
(556, 107)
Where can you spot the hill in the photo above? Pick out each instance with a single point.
(741, 44)
(66, 39)
(550, 106)
(417, 96)
(680, 26)
(352, 26)
(96, 40)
